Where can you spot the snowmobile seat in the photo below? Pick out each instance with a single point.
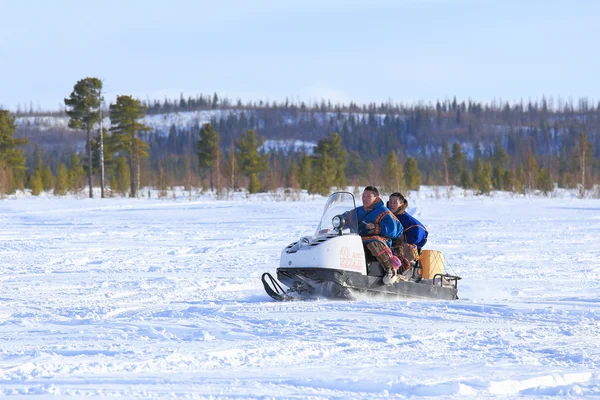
(375, 269)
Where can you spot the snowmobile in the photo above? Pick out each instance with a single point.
(333, 264)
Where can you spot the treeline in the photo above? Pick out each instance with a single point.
(483, 147)
(515, 147)
(332, 166)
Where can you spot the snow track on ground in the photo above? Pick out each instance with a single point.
(153, 299)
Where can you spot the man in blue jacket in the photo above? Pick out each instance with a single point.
(377, 226)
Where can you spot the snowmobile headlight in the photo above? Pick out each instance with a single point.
(338, 222)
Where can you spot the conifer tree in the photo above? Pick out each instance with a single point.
(47, 179)
(477, 173)
(330, 159)
(544, 182)
(500, 157)
(485, 184)
(254, 184)
(412, 174)
(521, 180)
(457, 162)
(276, 176)
(125, 126)
(532, 171)
(340, 157)
(356, 167)
(466, 180)
(36, 183)
(208, 152)
(12, 160)
(61, 184)
(38, 173)
(37, 157)
(83, 108)
(509, 179)
(565, 179)
(162, 182)
(251, 161)
(121, 179)
(498, 177)
(393, 175)
(6, 179)
(372, 172)
(323, 178)
(500, 160)
(76, 174)
(305, 172)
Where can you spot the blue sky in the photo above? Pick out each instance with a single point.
(363, 51)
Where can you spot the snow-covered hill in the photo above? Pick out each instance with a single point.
(162, 123)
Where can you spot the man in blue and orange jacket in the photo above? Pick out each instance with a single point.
(377, 226)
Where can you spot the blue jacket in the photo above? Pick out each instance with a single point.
(414, 231)
(387, 226)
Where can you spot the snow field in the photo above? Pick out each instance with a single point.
(146, 298)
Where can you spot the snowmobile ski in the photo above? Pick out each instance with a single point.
(274, 289)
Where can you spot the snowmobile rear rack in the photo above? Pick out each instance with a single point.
(450, 278)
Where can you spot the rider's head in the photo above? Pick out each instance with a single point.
(397, 203)
(369, 196)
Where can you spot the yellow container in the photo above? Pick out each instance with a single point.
(432, 262)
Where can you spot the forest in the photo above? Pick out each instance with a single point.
(524, 147)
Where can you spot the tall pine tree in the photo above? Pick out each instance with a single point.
(125, 126)
(83, 108)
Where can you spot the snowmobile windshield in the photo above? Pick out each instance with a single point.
(343, 204)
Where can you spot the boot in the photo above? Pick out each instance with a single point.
(390, 277)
